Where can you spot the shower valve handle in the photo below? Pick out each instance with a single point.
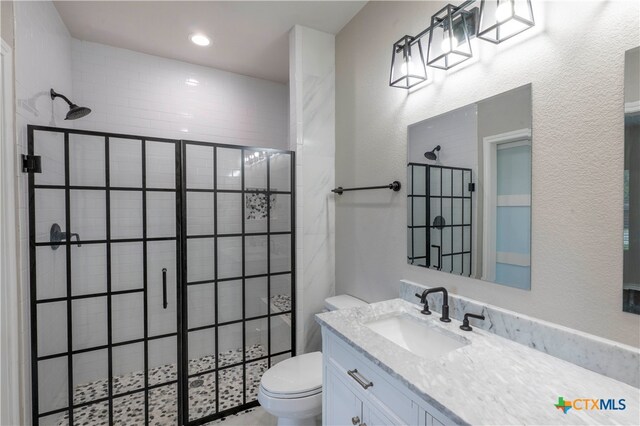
(56, 236)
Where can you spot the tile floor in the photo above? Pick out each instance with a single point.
(253, 417)
(129, 410)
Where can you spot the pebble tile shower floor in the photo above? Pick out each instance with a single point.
(129, 410)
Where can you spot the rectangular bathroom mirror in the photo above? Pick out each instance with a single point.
(469, 190)
(631, 233)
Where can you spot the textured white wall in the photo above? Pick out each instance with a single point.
(312, 136)
(131, 92)
(574, 58)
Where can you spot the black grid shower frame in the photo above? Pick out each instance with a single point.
(429, 222)
(181, 277)
(69, 298)
(216, 236)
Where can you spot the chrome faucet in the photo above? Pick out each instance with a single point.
(445, 302)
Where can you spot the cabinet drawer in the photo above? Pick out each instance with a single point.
(362, 374)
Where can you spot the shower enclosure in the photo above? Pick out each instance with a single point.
(440, 221)
(162, 276)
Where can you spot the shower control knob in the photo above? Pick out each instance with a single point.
(355, 420)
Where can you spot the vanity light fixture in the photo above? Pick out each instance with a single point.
(449, 41)
(407, 63)
(450, 34)
(502, 19)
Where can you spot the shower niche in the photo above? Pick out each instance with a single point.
(167, 288)
(469, 190)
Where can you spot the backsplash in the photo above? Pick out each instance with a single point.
(602, 356)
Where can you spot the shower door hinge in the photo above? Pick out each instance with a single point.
(472, 187)
(31, 164)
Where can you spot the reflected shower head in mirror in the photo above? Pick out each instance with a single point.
(75, 111)
(431, 155)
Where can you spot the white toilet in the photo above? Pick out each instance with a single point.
(292, 389)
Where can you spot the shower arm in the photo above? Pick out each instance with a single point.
(58, 95)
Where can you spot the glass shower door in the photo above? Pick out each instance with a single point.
(449, 204)
(153, 290)
(239, 255)
(102, 231)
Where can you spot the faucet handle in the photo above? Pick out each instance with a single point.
(423, 299)
(465, 322)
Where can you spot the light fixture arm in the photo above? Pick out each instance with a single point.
(456, 9)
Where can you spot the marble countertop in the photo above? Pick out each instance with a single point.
(491, 380)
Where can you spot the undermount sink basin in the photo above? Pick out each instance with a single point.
(416, 336)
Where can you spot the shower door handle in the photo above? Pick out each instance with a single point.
(439, 256)
(164, 288)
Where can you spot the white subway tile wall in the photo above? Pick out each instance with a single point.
(126, 266)
(134, 93)
(88, 269)
(51, 270)
(199, 167)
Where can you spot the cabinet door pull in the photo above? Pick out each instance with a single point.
(355, 420)
(358, 378)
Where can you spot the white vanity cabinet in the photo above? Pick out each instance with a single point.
(344, 407)
(359, 393)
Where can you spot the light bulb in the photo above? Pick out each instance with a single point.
(503, 11)
(407, 67)
(445, 46)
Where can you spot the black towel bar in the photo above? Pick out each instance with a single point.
(395, 185)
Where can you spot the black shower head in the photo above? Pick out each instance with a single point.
(75, 111)
(431, 155)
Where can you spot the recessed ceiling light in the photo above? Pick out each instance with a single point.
(191, 82)
(200, 39)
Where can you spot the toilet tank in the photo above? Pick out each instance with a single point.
(343, 301)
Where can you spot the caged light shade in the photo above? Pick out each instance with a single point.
(407, 63)
(449, 41)
(502, 19)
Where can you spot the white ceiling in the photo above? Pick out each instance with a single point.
(247, 37)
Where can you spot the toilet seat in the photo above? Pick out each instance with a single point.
(298, 411)
(296, 377)
(291, 395)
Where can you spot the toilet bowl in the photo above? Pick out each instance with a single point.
(292, 389)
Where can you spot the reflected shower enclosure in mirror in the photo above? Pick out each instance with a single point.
(631, 233)
(469, 190)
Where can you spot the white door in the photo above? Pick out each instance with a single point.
(513, 214)
(507, 209)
